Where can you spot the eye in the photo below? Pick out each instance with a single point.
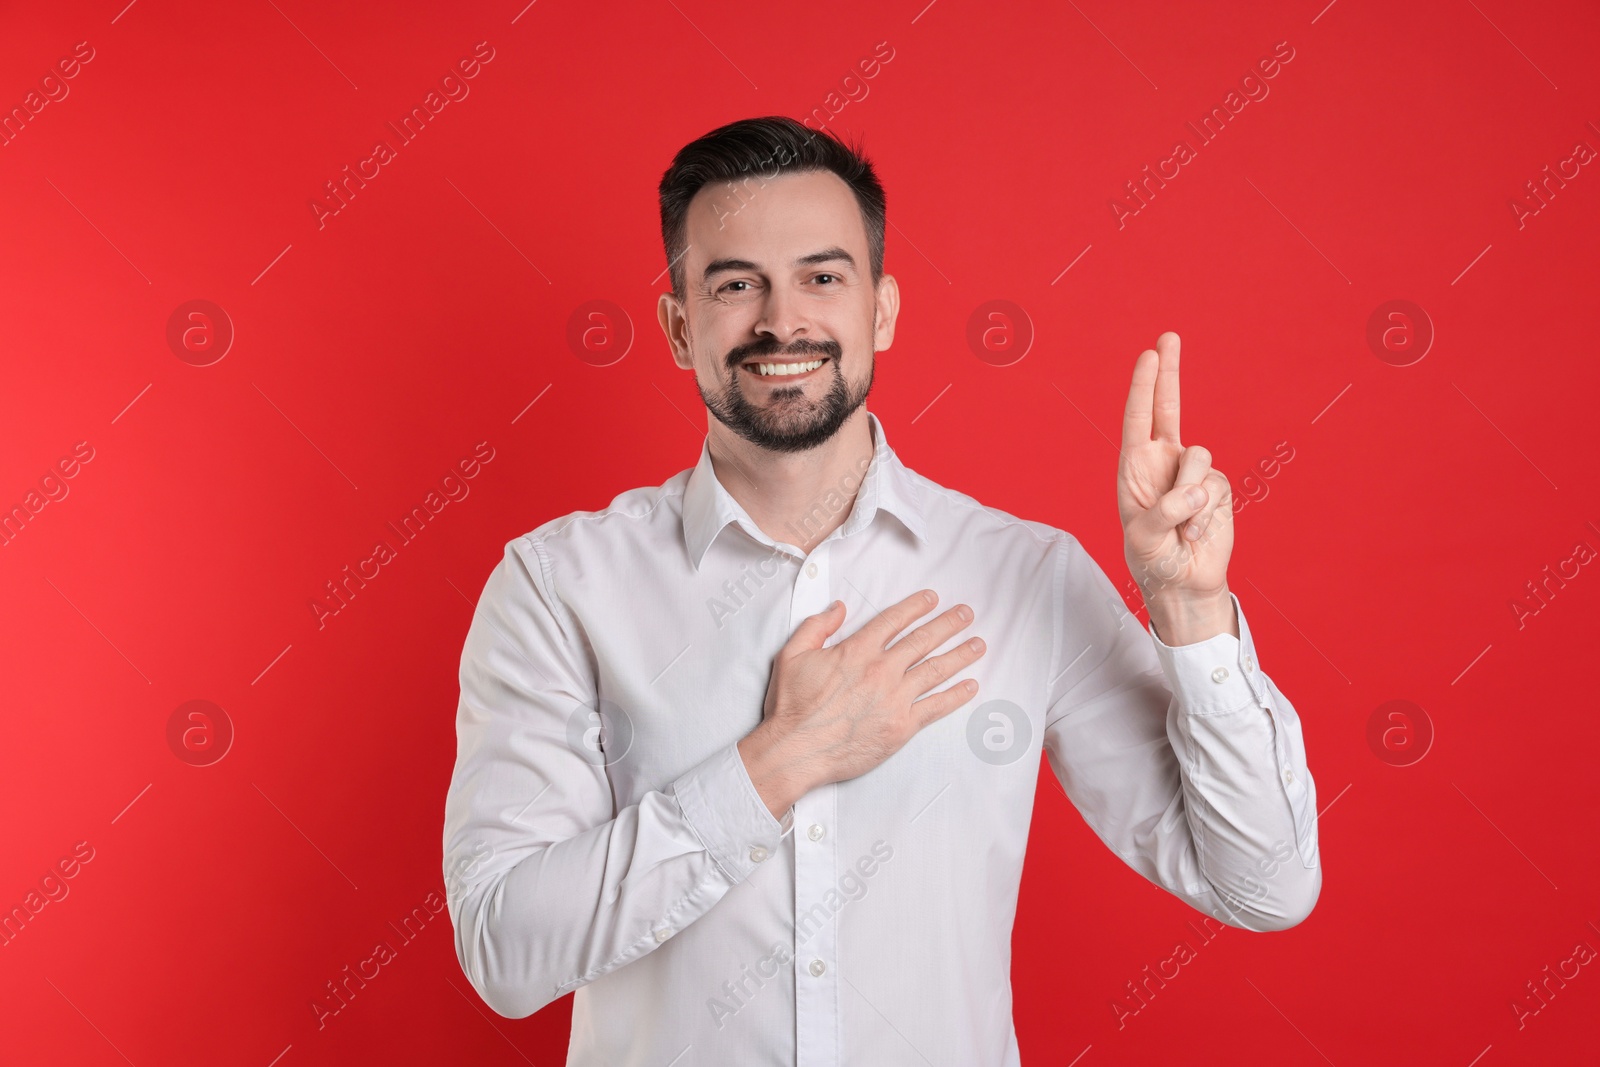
(728, 287)
(835, 277)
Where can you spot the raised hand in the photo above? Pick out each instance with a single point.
(1176, 509)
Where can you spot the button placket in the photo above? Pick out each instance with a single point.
(816, 949)
(1247, 662)
(1294, 785)
(815, 865)
(1252, 677)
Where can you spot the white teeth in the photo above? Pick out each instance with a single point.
(766, 369)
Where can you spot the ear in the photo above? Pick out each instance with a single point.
(675, 324)
(884, 312)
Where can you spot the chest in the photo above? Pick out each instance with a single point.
(685, 668)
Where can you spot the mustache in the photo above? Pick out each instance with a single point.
(769, 346)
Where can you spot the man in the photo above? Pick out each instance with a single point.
(723, 772)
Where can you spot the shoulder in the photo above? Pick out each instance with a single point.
(955, 515)
(632, 522)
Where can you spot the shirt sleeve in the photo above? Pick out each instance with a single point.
(1187, 761)
(549, 884)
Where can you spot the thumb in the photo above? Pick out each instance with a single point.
(814, 630)
(1177, 505)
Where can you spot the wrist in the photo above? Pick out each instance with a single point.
(772, 771)
(1187, 620)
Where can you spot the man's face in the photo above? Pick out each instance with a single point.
(777, 278)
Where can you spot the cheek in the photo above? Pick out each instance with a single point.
(710, 340)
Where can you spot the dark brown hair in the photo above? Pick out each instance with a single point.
(764, 148)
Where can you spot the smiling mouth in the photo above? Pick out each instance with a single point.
(783, 370)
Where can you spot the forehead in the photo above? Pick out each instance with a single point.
(770, 221)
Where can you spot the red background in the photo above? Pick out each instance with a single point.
(375, 351)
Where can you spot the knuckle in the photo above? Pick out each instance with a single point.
(875, 674)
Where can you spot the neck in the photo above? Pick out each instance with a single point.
(796, 498)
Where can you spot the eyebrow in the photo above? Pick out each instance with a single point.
(827, 255)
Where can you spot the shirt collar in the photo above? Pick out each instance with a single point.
(708, 507)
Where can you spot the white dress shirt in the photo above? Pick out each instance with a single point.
(602, 834)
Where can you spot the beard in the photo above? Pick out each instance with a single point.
(789, 421)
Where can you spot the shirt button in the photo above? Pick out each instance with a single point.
(811, 570)
(1288, 776)
(1249, 662)
(815, 833)
(662, 935)
(1219, 675)
(758, 854)
(817, 967)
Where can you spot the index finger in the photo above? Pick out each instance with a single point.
(896, 617)
(1141, 400)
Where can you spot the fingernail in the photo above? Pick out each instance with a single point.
(1196, 496)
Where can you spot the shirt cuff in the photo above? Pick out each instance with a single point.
(721, 805)
(1217, 675)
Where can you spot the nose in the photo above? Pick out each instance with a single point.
(783, 316)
